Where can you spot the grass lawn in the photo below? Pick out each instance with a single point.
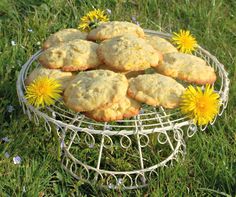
(209, 168)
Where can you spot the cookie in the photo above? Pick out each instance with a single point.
(160, 44)
(128, 53)
(62, 36)
(126, 108)
(155, 90)
(187, 67)
(75, 55)
(63, 77)
(128, 74)
(115, 28)
(93, 89)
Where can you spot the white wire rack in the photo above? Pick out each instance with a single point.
(123, 154)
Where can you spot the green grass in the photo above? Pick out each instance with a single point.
(210, 165)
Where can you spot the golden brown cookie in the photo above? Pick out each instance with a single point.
(128, 53)
(63, 77)
(75, 55)
(62, 36)
(115, 28)
(160, 44)
(125, 108)
(155, 90)
(187, 67)
(93, 89)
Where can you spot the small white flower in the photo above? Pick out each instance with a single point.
(119, 181)
(13, 43)
(23, 189)
(10, 108)
(134, 20)
(91, 145)
(16, 160)
(91, 127)
(141, 111)
(7, 155)
(5, 139)
(30, 30)
(62, 144)
(38, 43)
(110, 186)
(193, 127)
(108, 11)
(108, 127)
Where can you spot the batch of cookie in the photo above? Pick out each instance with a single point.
(108, 73)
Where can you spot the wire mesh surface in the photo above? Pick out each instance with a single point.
(154, 128)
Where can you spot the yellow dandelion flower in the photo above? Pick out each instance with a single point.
(200, 105)
(43, 91)
(92, 19)
(185, 42)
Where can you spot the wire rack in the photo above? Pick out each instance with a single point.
(124, 154)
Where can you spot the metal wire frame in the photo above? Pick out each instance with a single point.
(115, 179)
(151, 120)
